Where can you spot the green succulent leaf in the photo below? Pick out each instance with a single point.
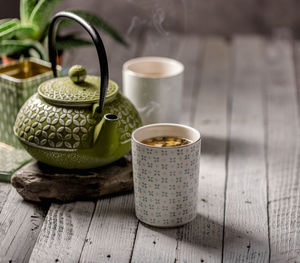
(29, 34)
(2, 21)
(71, 41)
(40, 49)
(20, 32)
(9, 47)
(97, 22)
(26, 8)
(33, 53)
(9, 33)
(42, 13)
(25, 32)
(11, 23)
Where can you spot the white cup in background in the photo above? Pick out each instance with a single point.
(154, 86)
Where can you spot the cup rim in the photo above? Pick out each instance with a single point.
(165, 124)
(152, 59)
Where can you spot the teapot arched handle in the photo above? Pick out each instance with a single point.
(98, 44)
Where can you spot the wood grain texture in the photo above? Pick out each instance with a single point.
(20, 223)
(4, 191)
(63, 233)
(112, 231)
(191, 56)
(202, 238)
(246, 219)
(283, 152)
(155, 245)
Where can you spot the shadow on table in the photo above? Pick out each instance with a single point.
(214, 146)
(203, 232)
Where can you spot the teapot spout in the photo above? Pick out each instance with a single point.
(106, 137)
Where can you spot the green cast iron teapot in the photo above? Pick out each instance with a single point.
(73, 123)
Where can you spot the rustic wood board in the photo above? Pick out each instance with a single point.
(63, 233)
(283, 147)
(191, 56)
(112, 231)
(155, 245)
(297, 66)
(246, 219)
(38, 182)
(4, 191)
(20, 224)
(201, 240)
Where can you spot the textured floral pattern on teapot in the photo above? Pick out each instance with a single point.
(60, 91)
(50, 126)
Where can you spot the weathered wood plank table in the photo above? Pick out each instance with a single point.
(242, 95)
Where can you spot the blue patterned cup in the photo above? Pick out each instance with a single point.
(166, 178)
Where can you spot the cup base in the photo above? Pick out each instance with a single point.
(167, 226)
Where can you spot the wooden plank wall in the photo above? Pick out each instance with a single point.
(246, 222)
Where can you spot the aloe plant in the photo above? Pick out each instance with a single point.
(27, 35)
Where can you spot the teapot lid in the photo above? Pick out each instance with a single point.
(78, 89)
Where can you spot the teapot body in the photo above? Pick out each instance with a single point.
(63, 136)
(73, 122)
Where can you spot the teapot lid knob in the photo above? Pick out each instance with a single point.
(77, 73)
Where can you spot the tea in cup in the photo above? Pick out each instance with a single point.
(166, 141)
(166, 161)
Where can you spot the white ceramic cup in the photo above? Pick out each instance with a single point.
(166, 179)
(154, 85)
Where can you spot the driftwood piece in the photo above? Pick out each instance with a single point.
(39, 182)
